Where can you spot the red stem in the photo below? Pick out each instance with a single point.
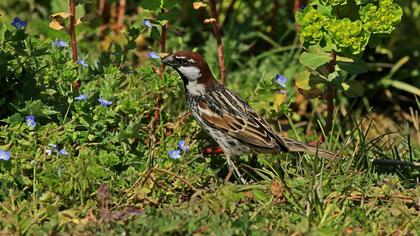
(330, 95)
(121, 14)
(216, 29)
(156, 113)
(296, 6)
(73, 30)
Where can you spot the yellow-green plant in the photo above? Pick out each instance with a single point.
(335, 34)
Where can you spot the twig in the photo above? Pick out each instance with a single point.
(176, 176)
(330, 96)
(76, 83)
(156, 114)
(137, 183)
(121, 14)
(296, 5)
(73, 30)
(216, 30)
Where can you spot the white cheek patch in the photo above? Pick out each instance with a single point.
(190, 72)
(195, 88)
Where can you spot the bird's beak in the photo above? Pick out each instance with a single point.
(168, 60)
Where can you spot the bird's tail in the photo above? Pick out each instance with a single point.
(295, 146)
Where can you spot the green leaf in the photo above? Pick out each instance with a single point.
(13, 118)
(333, 76)
(353, 88)
(259, 195)
(151, 5)
(314, 60)
(354, 68)
(170, 15)
(307, 85)
(302, 80)
(169, 3)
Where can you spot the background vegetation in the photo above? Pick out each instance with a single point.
(84, 141)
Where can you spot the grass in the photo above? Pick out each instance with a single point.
(101, 192)
(118, 178)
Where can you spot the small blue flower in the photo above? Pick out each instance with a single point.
(18, 23)
(104, 102)
(147, 23)
(153, 55)
(51, 149)
(63, 152)
(82, 62)
(60, 44)
(81, 97)
(281, 80)
(5, 155)
(174, 154)
(30, 121)
(183, 146)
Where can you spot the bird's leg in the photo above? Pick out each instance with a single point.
(232, 168)
(229, 174)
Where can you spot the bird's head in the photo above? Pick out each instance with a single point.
(193, 69)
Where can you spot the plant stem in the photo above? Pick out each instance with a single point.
(216, 29)
(296, 5)
(156, 113)
(330, 96)
(121, 14)
(73, 30)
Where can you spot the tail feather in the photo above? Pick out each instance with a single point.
(295, 146)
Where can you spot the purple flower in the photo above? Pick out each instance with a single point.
(82, 62)
(5, 155)
(30, 121)
(174, 154)
(81, 97)
(63, 152)
(281, 80)
(183, 146)
(60, 44)
(153, 55)
(18, 23)
(147, 23)
(104, 102)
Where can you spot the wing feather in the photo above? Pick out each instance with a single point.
(239, 121)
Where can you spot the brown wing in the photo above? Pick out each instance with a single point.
(235, 118)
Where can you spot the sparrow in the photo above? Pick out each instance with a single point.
(230, 121)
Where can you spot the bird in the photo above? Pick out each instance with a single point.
(229, 120)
